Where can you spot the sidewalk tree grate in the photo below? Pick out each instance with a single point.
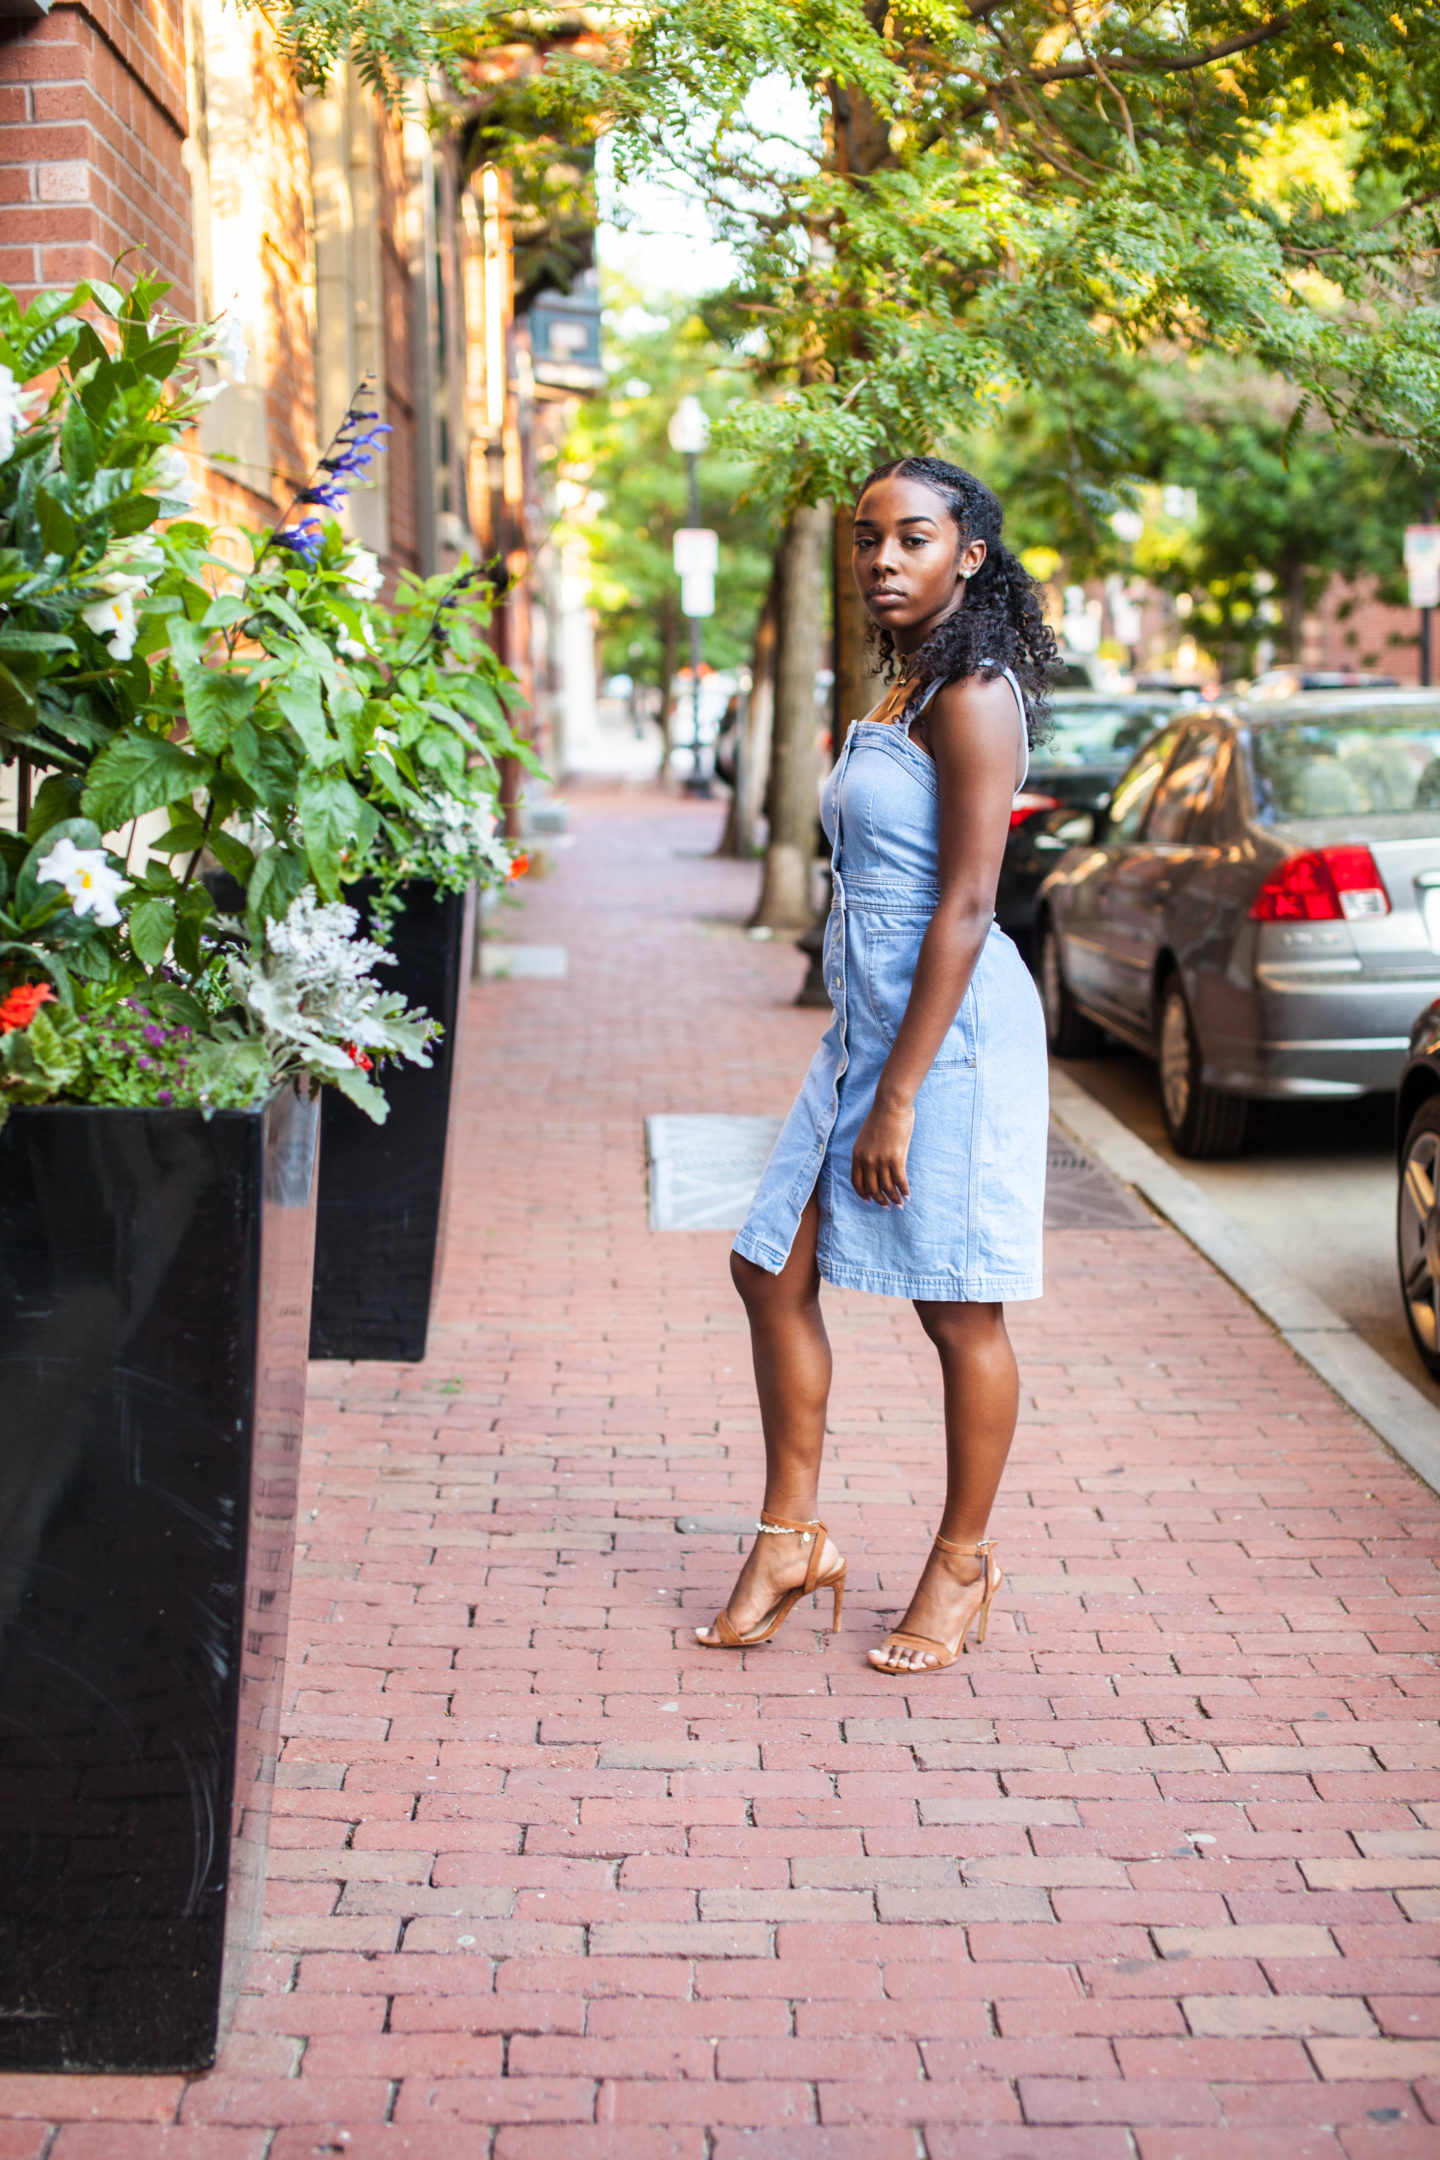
(704, 1170)
(523, 963)
(1080, 1195)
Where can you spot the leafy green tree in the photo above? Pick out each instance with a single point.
(620, 451)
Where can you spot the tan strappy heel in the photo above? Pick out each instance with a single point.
(813, 1534)
(946, 1653)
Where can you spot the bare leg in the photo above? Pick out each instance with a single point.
(792, 1376)
(982, 1398)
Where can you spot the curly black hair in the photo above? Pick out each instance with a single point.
(1001, 623)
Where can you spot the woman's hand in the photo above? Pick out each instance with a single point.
(877, 1166)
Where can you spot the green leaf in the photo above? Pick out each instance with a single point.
(232, 855)
(57, 798)
(362, 1092)
(56, 1056)
(57, 527)
(152, 926)
(356, 720)
(192, 910)
(215, 704)
(224, 611)
(333, 819)
(300, 701)
(139, 772)
(279, 874)
(17, 706)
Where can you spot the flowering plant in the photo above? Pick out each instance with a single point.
(291, 728)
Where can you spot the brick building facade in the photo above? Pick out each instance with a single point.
(346, 241)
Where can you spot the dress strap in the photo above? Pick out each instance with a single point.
(905, 720)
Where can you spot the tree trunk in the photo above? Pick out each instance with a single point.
(785, 902)
(857, 677)
(669, 654)
(752, 757)
(1294, 579)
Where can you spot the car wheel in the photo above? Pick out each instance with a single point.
(1417, 1232)
(1199, 1121)
(1067, 1030)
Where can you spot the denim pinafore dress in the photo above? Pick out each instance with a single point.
(971, 1228)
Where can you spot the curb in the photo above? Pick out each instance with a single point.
(1394, 1410)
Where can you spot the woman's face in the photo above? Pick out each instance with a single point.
(910, 565)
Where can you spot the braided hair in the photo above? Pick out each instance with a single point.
(1000, 623)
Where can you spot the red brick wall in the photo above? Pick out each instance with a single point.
(92, 125)
(1352, 629)
(395, 291)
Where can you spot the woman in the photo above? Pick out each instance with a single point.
(913, 1161)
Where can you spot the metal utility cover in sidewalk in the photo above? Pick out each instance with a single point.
(704, 1170)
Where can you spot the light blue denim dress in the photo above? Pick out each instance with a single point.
(971, 1228)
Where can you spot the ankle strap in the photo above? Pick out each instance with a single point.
(810, 1533)
(981, 1549)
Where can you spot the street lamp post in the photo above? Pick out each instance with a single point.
(696, 554)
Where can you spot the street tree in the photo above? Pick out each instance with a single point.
(619, 452)
(964, 198)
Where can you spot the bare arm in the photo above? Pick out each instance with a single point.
(972, 735)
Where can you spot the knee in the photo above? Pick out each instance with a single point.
(771, 1297)
(756, 1288)
(962, 1331)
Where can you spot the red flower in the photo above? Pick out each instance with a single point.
(19, 1009)
(519, 864)
(357, 1057)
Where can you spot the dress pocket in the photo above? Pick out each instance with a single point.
(891, 957)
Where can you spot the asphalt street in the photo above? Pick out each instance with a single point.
(1315, 1186)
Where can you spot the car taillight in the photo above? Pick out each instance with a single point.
(1329, 884)
(1028, 806)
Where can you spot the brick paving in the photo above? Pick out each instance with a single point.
(1156, 1876)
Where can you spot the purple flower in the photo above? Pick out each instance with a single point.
(328, 493)
(164, 1098)
(153, 1035)
(146, 1064)
(305, 540)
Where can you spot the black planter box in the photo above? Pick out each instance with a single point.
(154, 1312)
(380, 1230)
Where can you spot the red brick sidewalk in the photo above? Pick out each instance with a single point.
(1155, 1875)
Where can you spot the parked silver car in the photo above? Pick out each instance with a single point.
(1259, 909)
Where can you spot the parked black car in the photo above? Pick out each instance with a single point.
(1093, 740)
(1259, 909)
(1417, 1212)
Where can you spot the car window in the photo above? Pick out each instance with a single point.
(1183, 788)
(1085, 735)
(1354, 764)
(1131, 799)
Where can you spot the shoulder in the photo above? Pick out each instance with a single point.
(975, 705)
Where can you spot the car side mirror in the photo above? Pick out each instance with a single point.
(1068, 828)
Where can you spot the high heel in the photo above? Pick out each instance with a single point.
(946, 1653)
(814, 1534)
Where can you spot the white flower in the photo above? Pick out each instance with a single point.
(362, 574)
(311, 995)
(229, 345)
(14, 411)
(113, 619)
(172, 476)
(361, 648)
(90, 883)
